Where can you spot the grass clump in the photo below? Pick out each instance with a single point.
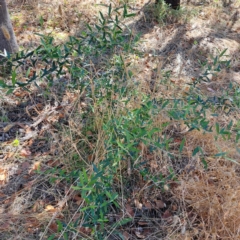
(165, 15)
(133, 163)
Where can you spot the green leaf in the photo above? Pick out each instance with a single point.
(98, 27)
(238, 150)
(125, 10)
(88, 26)
(165, 104)
(10, 91)
(76, 187)
(109, 10)
(232, 160)
(84, 34)
(14, 74)
(111, 196)
(151, 132)
(222, 53)
(237, 136)
(130, 15)
(230, 125)
(102, 17)
(3, 84)
(51, 237)
(182, 145)
(60, 225)
(28, 72)
(116, 19)
(16, 143)
(217, 128)
(196, 150)
(204, 163)
(215, 61)
(65, 236)
(220, 154)
(122, 222)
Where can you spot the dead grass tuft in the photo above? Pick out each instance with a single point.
(214, 195)
(204, 139)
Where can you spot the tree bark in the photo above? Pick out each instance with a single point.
(7, 36)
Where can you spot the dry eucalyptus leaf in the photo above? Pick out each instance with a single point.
(148, 205)
(160, 204)
(49, 208)
(138, 204)
(139, 235)
(129, 210)
(166, 214)
(126, 235)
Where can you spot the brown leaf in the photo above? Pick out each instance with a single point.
(167, 214)
(8, 155)
(129, 210)
(91, 157)
(126, 235)
(142, 223)
(174, 207)
(138, 204)
(53, 163)
(25, 152)
(54, 227)
(140, 235)
(2, 195)
(60, 9)
(31, 225)
(76, 216)
(166, 187)
(8, 127)
(160, 204)
(50, 208)
(142, 147)
(148, 204)
(3, 176)
(25, 165)
(31, 73)
(32, 222)
(78, 199)
(38, 205)
(29, 185)
(153, 164)
(36, 166)
(20, 94)
(85, 230)
(4, 226)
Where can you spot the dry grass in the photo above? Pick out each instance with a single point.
(202, 204)
(212, 198)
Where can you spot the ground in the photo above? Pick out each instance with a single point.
(37, 130)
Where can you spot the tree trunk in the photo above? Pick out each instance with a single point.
(175, 4)
(7, 36)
